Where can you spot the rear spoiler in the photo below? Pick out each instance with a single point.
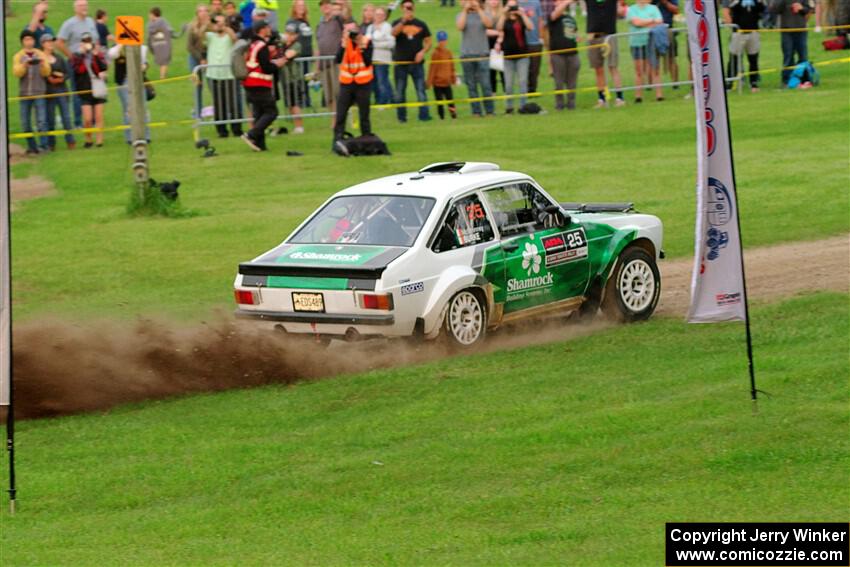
(599, 207)
(358, 272)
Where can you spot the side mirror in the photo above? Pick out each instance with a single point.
(558, 216)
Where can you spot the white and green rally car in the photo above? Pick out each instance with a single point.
(456, 249)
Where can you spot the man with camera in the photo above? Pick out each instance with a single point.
(413, 42)
(30, 65)
(473, 23)
(354, 58)
(262, 61)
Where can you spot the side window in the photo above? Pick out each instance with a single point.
(466, 224)
(518, 207)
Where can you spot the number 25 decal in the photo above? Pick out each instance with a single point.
(574, 240)
(475, 211)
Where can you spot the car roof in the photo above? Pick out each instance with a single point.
(436, 181)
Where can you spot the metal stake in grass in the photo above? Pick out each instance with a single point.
(136, 96)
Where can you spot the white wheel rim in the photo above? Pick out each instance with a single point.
(466, 320)
(637, 285)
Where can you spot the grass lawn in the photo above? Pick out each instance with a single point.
(78, 255)
(566, 453)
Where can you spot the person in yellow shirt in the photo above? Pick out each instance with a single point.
(31, 67)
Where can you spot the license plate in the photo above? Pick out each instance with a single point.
(313, 302)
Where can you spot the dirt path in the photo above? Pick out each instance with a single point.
(773, 272)
(32, 187)
(62, 368)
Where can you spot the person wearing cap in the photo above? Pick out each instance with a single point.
(30, 66)
(57, 83)
(441, 75)
(262, 62)
(89, 63)
(292, 76)
(37, 23)
(412, 44)
(354, 58)
(68, 42)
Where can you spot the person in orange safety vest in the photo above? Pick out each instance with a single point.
(354, 57)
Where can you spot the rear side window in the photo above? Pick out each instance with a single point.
(466, 224)
(518, 207)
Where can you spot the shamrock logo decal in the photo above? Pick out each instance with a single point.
(531, 259)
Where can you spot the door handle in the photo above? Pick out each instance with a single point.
(510, 246)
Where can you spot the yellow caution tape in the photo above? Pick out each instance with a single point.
(110, 87)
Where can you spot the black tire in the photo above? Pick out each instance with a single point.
(465, 322)
(633, 288)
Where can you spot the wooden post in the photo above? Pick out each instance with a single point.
(136, 96)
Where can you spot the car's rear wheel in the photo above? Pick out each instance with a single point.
(465, 324)
(634, 287)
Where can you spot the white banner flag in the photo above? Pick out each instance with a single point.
(5, 279)
(717, 285)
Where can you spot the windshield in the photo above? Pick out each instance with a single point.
(387, 220)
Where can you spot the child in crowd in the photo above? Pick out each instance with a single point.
(31, 66)
(641, 17)
(159, 35)
(441, 74)
(103, 35)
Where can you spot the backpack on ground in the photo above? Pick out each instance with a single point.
(368, 145)
(238, 66)
(802, 74)
(530, 108)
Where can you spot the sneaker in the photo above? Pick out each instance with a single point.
(754, 89)
(659, 99)
(620, 102)
(88, 145)
(298, 130)
(601, 103)
(509, 111)
(32, 151)
(248, 140)
(72, 145)
(341, 148)
(638, 100)
(806, 85)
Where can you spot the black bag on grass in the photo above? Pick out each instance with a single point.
(368, 145)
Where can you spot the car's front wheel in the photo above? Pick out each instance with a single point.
(466, 320)
(634, 287)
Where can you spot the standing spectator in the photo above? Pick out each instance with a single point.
(441, 74)
(444, 3)
(380, 33)
(57, 84)
(354, 57)
(160, 34)
(602, 22)
(792, 14)
(641, 17)
(534, 11)
(232, 17)
(669, 9)
(329, 38)
(270, 6)
(216, 9)
(493, 9)
(89, 63)
(301, 19)
(563, 34)
(412, 43)
(227, 98)
(68, 42)
(103, 35)
(118, 59)
(368, 17)
(196, 34)
(37, 23)
(745, 14)
(30, 65)
(292, 76)
(473, 23)
(262, 62)
(513, 25)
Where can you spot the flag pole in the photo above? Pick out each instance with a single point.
(750, 365)
(5, 278)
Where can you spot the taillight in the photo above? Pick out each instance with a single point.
(246, 297)
(382, 301)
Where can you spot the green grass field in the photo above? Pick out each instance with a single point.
(568, 452)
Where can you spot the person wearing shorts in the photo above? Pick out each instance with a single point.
(746, 16)
(669, 9)
(642, 16)
(601, 23)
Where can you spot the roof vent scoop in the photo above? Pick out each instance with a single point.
(459, 167)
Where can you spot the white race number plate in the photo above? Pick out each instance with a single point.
(313, 302)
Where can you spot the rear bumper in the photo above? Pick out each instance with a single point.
(319, 318)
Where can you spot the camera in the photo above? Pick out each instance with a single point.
(34, 61)
(513, 8)
(353, 34)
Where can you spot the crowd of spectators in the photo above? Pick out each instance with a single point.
(500, 43)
